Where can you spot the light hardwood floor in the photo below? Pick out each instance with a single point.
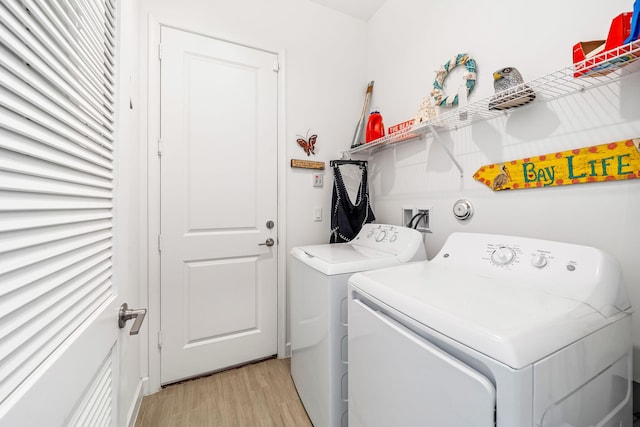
(260, 394)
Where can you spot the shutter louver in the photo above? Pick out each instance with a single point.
(57, 76)
(94, 410)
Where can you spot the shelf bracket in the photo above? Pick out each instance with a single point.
(436, 136)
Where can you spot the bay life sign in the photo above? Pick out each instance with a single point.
(618, 160)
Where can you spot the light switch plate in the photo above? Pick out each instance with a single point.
(318, 179)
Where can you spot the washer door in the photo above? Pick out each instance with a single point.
(396, 378)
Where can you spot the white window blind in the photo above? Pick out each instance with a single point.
(57, 73)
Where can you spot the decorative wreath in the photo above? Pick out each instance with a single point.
(437, 95)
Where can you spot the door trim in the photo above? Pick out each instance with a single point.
(150, 356)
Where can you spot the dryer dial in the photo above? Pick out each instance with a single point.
(539, 260)
(504, 255)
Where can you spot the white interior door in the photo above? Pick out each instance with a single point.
(59, 338)
(218, 192)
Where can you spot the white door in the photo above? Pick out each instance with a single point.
(218, 204)
(59, 346)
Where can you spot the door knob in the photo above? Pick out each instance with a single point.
(125, 314)
(268, 242)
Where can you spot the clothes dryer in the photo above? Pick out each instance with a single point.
(494, 331)
(318, 310)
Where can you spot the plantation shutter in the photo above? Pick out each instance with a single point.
(57, 74)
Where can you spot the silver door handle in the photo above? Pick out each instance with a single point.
(125, 314)
(268, 242)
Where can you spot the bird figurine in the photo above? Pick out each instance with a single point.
(510, 90)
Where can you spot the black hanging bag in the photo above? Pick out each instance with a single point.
(347, 218)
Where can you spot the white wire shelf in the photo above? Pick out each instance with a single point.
(596, 71)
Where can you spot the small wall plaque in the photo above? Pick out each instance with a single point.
(306, 164)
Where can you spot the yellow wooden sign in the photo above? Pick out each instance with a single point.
(306, 164)
(618, 160)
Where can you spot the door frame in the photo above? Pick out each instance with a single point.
(150, 171)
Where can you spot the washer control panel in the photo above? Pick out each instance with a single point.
(400, 241)
(518, 255)
(503, 255)
(581, 273)
(378, 234)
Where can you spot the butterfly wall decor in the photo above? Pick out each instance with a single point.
(308, 146)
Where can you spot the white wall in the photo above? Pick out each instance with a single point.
(325, 84)
(409, 39)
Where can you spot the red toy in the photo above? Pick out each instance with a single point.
(592, 58)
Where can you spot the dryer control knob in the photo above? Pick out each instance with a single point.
(503, 255)
(539, 260)
(381, 235)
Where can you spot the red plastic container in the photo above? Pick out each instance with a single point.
(375, 127)
(596, 61)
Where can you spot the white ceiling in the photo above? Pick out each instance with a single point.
(361, 9)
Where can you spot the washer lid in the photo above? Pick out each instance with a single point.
(340, 258)
(516, 325)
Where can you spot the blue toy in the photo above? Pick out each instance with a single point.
(635, 28)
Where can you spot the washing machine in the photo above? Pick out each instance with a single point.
(318, 310)
(493, 331)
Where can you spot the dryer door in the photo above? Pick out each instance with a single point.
(396, 378)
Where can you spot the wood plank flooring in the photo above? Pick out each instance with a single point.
(260, 394)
